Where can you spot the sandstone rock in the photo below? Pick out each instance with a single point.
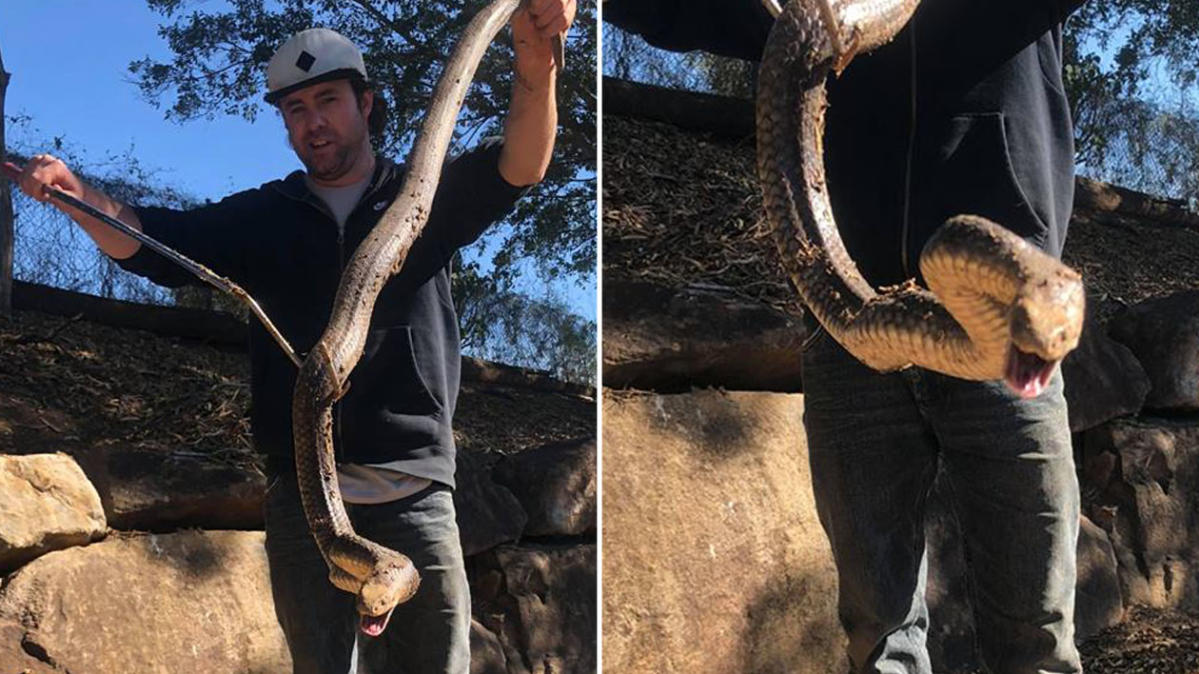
(672, 339)
(543, 609)
(556, 484)
(1103, 379)
(19, 656)
(174, 603)
(162, 492)
(1098, 470)
(47, 504)
(488, 514)
(1152, 499)
(1097, 600)
(1163, 334)
(714, 560)
(486, 652)
(165, 491)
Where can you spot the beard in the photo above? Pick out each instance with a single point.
(334, 160)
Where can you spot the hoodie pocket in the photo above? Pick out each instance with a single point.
(391, 378)
(975, 175)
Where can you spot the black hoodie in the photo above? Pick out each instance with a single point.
(282, 245)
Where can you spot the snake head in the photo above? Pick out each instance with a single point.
(1046, 323)
(390, 585)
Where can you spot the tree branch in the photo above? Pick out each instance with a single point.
(385, 21)
(6, 215)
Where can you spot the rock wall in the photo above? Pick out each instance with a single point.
(192, 601)
(713, 558)
(699, 529)
(131, 509)
(87, 592)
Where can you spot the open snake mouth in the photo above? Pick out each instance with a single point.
(1027, 375)
(373, 625)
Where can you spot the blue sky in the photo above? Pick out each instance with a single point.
(69, 65)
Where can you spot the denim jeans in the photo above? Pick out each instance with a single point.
(876, 442)
(429, 634)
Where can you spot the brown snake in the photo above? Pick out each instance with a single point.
(999, 308)
(381, 578)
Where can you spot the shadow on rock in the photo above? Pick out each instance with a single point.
(707, 420)
(792, 629)
(190, 552)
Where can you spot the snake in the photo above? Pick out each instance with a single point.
(379, 577)
(995, 306)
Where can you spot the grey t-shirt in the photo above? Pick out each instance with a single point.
(364, 483)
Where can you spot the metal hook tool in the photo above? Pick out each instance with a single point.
(204, 273)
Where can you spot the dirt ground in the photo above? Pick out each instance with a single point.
(682, 209)
(72, 385)
(1150, 641)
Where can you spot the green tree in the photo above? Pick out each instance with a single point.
(1131, 74)
(536, 332)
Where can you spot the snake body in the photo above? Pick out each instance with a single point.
(998, 307)
(381, 578)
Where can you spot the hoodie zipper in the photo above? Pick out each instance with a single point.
(911, 150)
(341, 237)
(384, 174)
(341, 268)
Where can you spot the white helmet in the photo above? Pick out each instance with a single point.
(312, 56)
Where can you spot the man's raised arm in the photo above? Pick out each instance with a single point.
(532, 121)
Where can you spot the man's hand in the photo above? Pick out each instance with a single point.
(42, 171)
(534, 26)
(532, 120)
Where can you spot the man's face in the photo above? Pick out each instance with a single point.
(327, 128)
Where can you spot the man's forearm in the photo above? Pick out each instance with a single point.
(530, 129)
(113, 243)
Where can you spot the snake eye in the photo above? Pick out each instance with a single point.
(1048, 321)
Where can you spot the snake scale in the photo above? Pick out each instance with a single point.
(998, 307)
(381, 578)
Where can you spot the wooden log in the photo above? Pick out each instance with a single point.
(1095, 196)
(6, 213)
(707, 113)
(210, 326)
(486, 372)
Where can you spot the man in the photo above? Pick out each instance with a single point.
(287, 243)
(964, 112)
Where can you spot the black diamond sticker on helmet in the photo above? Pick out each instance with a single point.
(305, 61)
